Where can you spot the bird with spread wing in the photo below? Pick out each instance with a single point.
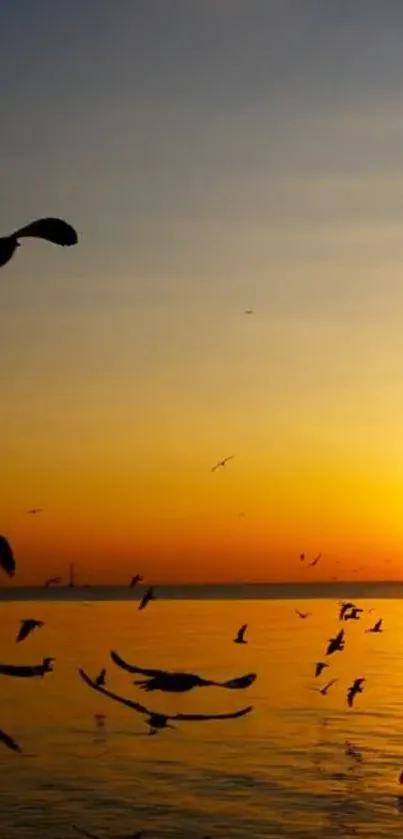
(54, 230)
(176, 682)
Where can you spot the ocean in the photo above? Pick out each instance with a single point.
(299, 765)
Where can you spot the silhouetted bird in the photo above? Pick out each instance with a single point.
(344, 607)
(239, 638)
(9, 742)
(7, 560)
(101, 680)
(149, 595)
(316, 560)
(326, 688)
(302, 557)
(27, 671)
(303, 615)
(377, 627)
(53, 581)
(28, 626)
(34, 511)
(248, 311)
(52, 229)
(156, 720)
(135, 580)
(222, 462)
(356, 687)
(353, 615)
(319, 666)
(336, 644)
(176, 682)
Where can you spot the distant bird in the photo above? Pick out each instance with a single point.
(336, 644)
(239, 638)
(319, 666)
(134, 580)
(248, 311)
(377, 627)
(344, 607)
(353, 615)
(222, 462)
(149, 595)
(9, 742)
(53, 581)
(26, 671)
(356, 687)
(303, 615)
(7, 560)
(101, 680)
(52, 229)
(171, 681)
(302, 557)
(326, 688)
(316, 560)
(156, 720)
(28, 626)
(34, 511)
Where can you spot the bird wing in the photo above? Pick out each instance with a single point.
(242, 629)
(227, 458)
(135, 705)
(329, 684)
(200, 717)
(52, 229)
(378, 624)
(25, 629)
(9, 742)
(240, 682)
(132, 669)
(7, 560)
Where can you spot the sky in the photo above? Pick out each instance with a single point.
(214, 156)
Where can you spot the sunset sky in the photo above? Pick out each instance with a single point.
(215, 156)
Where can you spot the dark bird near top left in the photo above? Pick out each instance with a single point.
(7, 560)
(28, 626)
(52, 229)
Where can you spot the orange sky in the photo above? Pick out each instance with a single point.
(258, 164)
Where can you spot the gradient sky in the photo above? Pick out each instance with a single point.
(215, 156)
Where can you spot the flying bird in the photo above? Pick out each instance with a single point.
(377, 627)
(302, 557)
(222, 462)
(101, 678)
(28, 626)
(248, 311)
(325, 688)
(303, 615)
(156, 720)
(344, 607)
(353, 615)
(319, 666)
(336, 644)
(316, 560)
(239, 638)
(149, 595)
(356, 687)
(172, 681)
(7, 560)
(54, 230)
(53, 581)
(34, 511)
(27, 671)
(134, 580)
(9, 742)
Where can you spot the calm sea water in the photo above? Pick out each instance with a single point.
(283, 770)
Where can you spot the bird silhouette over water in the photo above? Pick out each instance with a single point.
(353, 614)
(303, 615)
(54, 230)
(7, 560)
(222, 463)
(27, 626)
(172, 681)
(377, 627)
(27, 671)
(319, 666)
(356, 687)
(101, 678)
(34, 511)
(336, 644)
(316, 560)
(344, 607)
(239, 638)
(149, 595)
(134, 580)
(9, 742)
(156, 720)
(326, 687)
